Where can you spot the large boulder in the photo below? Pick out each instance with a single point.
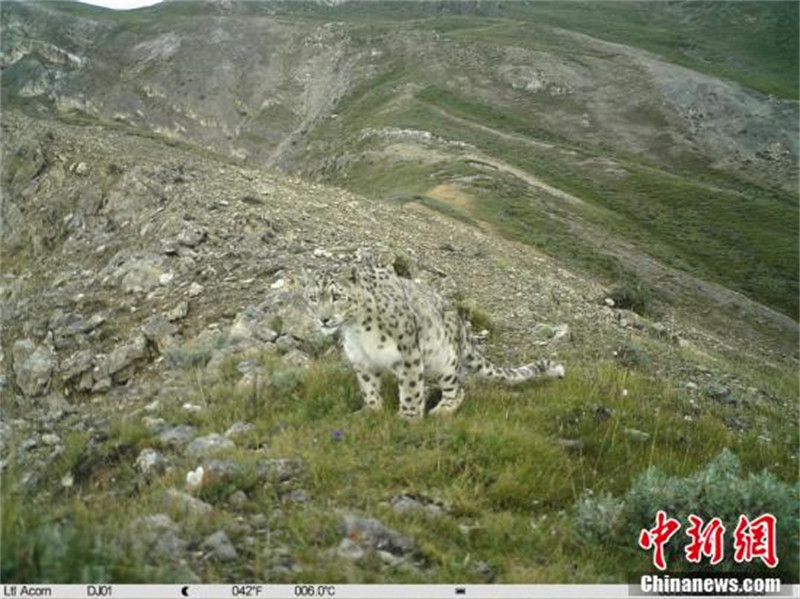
(33, 367)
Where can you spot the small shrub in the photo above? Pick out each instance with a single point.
(718, 490)
(630, 355)
(479, 319)
(402, 267)
(185, 358)
(317, 344)
(633, 294)
(286, 381)
(276, 324)
(596, 517)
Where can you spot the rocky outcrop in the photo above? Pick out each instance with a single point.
(33, 367)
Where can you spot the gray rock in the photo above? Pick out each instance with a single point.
(251, 324)
(249, 366)
(195, 289)
(103, 385)
(159, 331)
(178, 312)
(239, 430)
(56, 402)
(159, 535)
(718, 392)
(209, 445)
(79, 168)
(371, 534)
(140, 275)
(238, 498)
(259, 521)
(155, 425)
(50, 439)
(28, 444)
(118, 365)
(220, 546)
(280, 470)
(151, 461)
(33, 367)
(221, 470)
(185, 504)
(406, 503)
(77, 370)
(295, 357)
(286, 343)
(67, 326)
(178, 436)
(191, 235)
(350, 550)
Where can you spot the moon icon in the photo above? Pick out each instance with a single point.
(185, 591)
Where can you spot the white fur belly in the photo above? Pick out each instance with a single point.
(362, 349)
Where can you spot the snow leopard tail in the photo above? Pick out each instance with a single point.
(540, 369)
(477, 363)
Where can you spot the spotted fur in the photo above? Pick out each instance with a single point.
(391, 324)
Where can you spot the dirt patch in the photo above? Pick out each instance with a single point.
(452, 195)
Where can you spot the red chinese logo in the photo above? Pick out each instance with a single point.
(752, 539)
(659, 535)
(706, 540)
(755, 538)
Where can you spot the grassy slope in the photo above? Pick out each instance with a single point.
(687, 215)
(496, 465)
(755, 43)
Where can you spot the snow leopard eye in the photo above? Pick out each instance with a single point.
(335, 295)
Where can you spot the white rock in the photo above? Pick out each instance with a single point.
(50, 439)
(150, 460)
(194, 478)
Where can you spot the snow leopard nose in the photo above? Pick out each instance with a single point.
(325, 321)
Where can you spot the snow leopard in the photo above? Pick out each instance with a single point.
(388, 323)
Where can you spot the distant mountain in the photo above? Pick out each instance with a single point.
(667, 121)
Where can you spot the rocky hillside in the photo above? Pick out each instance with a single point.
(494, 113)
(158, 367)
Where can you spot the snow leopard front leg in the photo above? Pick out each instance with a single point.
(369, 383)
(410, 384)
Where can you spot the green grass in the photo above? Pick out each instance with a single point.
(716, 227)
(497, 465)
(754, 43)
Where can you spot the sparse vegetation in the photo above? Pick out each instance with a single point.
(496, 466)
(481, 112)
(716, 490)
(633, 294)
